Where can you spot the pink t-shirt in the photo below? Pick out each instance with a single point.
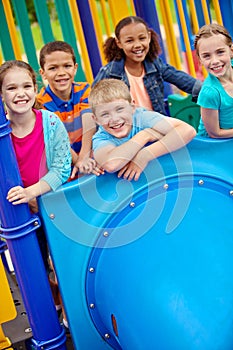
(30, 153)
(138, 91)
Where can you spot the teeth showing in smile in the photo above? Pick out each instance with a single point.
(118, 126)
(216, 69)
(138, 52)
(21, 102)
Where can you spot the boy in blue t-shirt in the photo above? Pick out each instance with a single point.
(128, 137)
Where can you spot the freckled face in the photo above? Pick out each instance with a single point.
(115, 117)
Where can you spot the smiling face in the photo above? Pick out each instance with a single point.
(18, 93)
(134, 40)
(215, 55)
(115, 117)
(59, 70)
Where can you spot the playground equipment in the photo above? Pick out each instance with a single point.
(81, 25)
(140, 265)
(144, 264)
(7, 307)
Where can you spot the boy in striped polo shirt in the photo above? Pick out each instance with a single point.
(69, 100)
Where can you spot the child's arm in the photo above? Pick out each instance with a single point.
(84, 163)
(210, 119)
(176, 134)
(112, 158)
(18, 195)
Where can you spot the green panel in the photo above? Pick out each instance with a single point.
(66, 23)
(26, 33)
(7, 48)
(44, 20)
(183, 108)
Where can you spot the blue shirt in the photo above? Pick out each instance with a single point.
(141, 119)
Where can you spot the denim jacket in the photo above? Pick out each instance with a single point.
(156, 73)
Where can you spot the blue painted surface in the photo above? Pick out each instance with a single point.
(155, 253)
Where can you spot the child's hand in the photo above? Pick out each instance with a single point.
(87, 166)
(18, 195)
(134, 168)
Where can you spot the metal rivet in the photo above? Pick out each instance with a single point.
(132, 204)
(105, 234)
(52, 216)
(165, 186)
(91, 269)
(92, 306)
(231, 193)
(107, 336)
(28, 330)
(36, 223)
(201, 182)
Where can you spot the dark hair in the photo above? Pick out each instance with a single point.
(209, 30)
(53, 46)
(113, 52)
(8, 65)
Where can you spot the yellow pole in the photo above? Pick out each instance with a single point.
(217, 12)
(12, 30)
(118, 10)
(97, 26)
(170, 34)
(186, 38)
(193, 14)
(205, 11)
(79, 34)
(132, 8)
(105, 17)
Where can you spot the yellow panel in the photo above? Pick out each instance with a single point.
(5, 342)
(119, 9)
(7, 307)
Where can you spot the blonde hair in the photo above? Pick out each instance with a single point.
(209, 30)
(108, 90)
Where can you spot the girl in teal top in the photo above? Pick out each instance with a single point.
(213, 46)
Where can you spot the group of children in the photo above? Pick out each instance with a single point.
(118, 124)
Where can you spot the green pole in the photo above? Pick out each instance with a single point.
(66, 23)
(44, 20)
(7, 48)
(25, 29)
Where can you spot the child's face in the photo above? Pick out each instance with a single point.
(134, 41)
(18, 91)
(215, 55)
(115, 117)
(59, 70)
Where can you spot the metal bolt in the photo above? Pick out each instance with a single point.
(28, 330)
(201, 182)
(165, 186)
(107, 336)
(91, 269)
(231, 193)
(132, 204)
(105, 234)
(92, 306)
(36, 223)
(52, 216)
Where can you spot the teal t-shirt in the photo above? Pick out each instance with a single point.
(213, 95)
